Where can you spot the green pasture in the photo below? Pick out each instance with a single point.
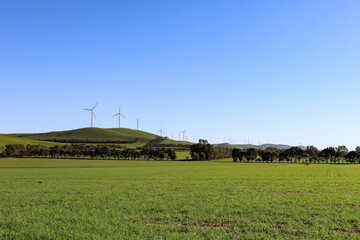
(94, 134)
(170, 141)
(101, 199)
(5, 139)
(86, 134)
(183, 155)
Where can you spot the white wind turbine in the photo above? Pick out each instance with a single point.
(92, 114)
(183, 132)
(120, 115)
(161, 131)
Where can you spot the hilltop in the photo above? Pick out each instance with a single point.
(123, 136)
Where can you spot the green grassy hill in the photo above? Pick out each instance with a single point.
(116, 135)
(5, 139)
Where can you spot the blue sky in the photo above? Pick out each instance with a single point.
(259, 71)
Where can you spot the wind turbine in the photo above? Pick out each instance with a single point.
(183, 132)
(120, 115)
(137, 124)
(161, 131)
(92, 113)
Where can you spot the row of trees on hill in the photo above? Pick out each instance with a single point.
(311, 154)
(205, 151)
(87, 151)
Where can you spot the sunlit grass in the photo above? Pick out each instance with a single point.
(82, 199)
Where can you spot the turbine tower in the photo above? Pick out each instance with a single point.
(183, 132)
(120, 115)
(137, 124)
(92, 114)
(161, 131)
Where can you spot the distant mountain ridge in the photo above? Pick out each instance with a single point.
(262, 146)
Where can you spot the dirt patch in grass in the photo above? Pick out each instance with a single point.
(307, 222)
(348, 231)
(227, 224)
(278, 224)
(285, 192)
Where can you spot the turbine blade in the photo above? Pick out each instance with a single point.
(116, 114)
(94, 106)
(86, 109)
(122, 115)
(94, 115)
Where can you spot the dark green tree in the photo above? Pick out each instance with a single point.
(328, 153)
(251, 154)
(351, 157)
(313, 153)
(341, 152)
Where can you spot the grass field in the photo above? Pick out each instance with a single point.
(88, 199)
(95, 134)
(4, 139)
(182, 155)
(86, 134)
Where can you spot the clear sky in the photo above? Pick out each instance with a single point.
(260, 71)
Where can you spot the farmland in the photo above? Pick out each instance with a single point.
(97, 199)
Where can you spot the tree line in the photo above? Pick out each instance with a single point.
(311, 154)
(205, 151)
(200, 151)
(86, 151)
